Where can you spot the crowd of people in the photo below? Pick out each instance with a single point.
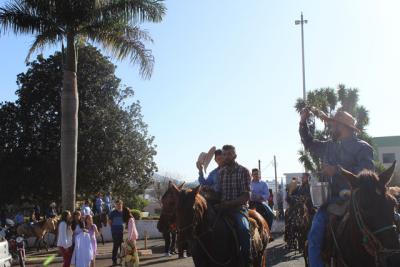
(77, 236)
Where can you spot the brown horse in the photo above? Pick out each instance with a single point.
(38, 230)
(212, 238)
(368, 236)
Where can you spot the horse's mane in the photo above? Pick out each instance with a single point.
(41, 223)
(199, 202)
(369, 181)
(370, 185)
(394, 191)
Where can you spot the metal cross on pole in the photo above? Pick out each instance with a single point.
(302, 22)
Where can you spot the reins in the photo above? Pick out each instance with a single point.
(369, 240)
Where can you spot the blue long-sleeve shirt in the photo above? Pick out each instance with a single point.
(259, 189)
(211, 180)
(351, 154)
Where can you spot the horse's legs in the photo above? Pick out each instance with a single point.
(45, 244)
(37, 244)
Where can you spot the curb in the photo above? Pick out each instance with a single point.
(59, 259)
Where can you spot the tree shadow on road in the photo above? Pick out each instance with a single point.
(278, 254)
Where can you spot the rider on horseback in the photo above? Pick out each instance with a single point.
(259, 196)
(211, 180)
(234, 181)
(303, 190)
(344, 150)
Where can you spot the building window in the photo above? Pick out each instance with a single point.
(388, 158)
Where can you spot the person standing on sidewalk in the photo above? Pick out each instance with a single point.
(165, 226)
(64, 238)
(130, 248)
(117, 228)
(93, 232)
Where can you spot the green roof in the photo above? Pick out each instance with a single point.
(386, 141)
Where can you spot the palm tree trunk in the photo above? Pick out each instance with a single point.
(69, 126)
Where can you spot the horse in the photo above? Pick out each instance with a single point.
(395, 192)
(167, 217)
(212, 237)
(100, 220)
(298, 223)
(37, 230)
(366, 236)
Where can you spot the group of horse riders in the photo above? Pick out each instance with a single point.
(344, 151)
(232, 183)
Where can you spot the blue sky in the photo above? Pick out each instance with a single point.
(230, 72)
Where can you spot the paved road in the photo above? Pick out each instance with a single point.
(277, 256)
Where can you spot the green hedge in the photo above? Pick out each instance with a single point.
(136, 214)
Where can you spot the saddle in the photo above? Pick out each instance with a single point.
(259, 231)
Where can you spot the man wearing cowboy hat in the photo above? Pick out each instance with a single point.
(211, 180)
(344, 150)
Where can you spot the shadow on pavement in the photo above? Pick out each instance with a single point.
(159, 261)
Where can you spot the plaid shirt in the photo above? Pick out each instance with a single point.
(233, 181)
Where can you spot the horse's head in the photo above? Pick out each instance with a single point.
(170, 197)
(50, 225)
(191, 207)
(376, 206)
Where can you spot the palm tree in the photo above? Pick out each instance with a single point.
(110, 23)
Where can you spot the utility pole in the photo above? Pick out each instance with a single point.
(276, 178)
(302, 22)
(259, 167)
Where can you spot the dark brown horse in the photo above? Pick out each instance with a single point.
(168, 212)
(212, 238)
(298, 218)
(100, 220)
(368, 237)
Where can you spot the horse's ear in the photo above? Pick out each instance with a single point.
(174, 188)
(385, 176)
(197, 189)
(351, 178)
(181, 186)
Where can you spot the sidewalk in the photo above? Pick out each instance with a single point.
(103, 252)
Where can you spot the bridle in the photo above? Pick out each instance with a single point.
(197, 238)
(369, 240)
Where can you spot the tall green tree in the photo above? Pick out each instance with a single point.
(113, 24)
(330, 101)
(115, 150)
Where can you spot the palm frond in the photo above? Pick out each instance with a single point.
(300, 104)
(20, 17)
(307, 161)
(134, 10)
(41, 41)
(125, 42)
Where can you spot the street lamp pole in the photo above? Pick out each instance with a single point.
(302, 22)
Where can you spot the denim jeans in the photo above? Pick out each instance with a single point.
(243, 233)
(265, 211)
(117, 238)
(170, 240)
(316, 238)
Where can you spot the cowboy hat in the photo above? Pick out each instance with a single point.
(205, 158)
(346, 119)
